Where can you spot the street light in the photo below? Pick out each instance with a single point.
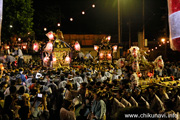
(19, 39)
(58, 24)
(83, 12)
(163, 40)
(71, 19)
(93, 5)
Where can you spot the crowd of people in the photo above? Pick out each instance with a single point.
(84, 92)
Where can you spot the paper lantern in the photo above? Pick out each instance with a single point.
(96, 47)
(36, 47)
(49, 46)
(115, 48)
(135, 66)
(108, 38)
(67, 59)
(174, 24)
(159, 63)
(101, 55)
(46, 59)
(120, 63)
(54, 59)
(109, 56)
(77, 46)
(7, 47)
(1, 66)
(24, 46)
(50, 35)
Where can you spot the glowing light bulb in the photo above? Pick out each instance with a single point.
(83, 12)
(58, 24)
(93, 5)
(71, 19)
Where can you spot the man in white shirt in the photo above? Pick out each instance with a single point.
(19, 54)
(81, 56)
(89, 56)
(77, 80)
(10, 61)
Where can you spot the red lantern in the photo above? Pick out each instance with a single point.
(77, 46)
(139, 74)
(35, 47)
(121, 64)
(50, 35)
(96, 47)
(115, 48)
(174, 24)
(150, 74)
(67, 59)
(15, 63)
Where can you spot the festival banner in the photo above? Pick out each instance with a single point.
(174, 24)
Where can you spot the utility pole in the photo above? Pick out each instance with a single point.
(143, 25)
(129, 33)
(119, 23)
(1, 14)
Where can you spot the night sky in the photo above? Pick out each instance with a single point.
(103, 18)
